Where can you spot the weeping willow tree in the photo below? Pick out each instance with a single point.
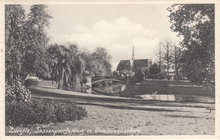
(66, 66)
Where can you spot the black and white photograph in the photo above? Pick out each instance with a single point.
(109, 69)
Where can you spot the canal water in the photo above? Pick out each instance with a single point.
(114, 88)
(109, 87)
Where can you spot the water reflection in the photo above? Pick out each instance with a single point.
(177, 97)
(161, 97)
(150, 92)
(109, 87)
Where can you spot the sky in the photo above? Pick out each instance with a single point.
(112, 26)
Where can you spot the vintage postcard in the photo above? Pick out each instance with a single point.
(137, 69)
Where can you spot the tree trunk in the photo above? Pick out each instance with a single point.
(160, 60)
(76, 86)
(60, 82)
(168, 61)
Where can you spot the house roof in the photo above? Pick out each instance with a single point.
(138, 63)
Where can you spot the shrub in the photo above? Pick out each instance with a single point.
(67, 112)
(16, 91)
(81, 112)
(18, 113)
(154, 69)
(133, 80)
(139, 75)
(31, 82)
(157, 76)
(42, 111)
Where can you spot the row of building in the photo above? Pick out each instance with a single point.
(132, 66)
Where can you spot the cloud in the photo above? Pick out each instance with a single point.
(116, 36)
(81, 29)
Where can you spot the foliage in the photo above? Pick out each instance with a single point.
(124, 65)
(195, 23)
(100, 62)
(36, 41)
(18, 113)
(14, 40)
(67, 112)
(25, 40)
(31, 82)
(154, 72)
(97, 63)
(139, 75)
(86, 56)
(177, 53)
(66, 65)
(42, 111)
(16, 91)
(167, 56)
(154, 69)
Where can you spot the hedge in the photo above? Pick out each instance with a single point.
(42, 111)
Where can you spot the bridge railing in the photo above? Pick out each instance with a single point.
(95, 78)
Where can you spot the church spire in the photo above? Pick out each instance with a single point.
(133, 53)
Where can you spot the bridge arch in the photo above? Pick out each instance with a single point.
(113, 80)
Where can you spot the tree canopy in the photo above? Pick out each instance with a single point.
(66, 65)
(28, 51)
(36, 40)
(100, 62)
(14, 36)
(97, 62)
(195, 24)
(154, 69)
(26, 40)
